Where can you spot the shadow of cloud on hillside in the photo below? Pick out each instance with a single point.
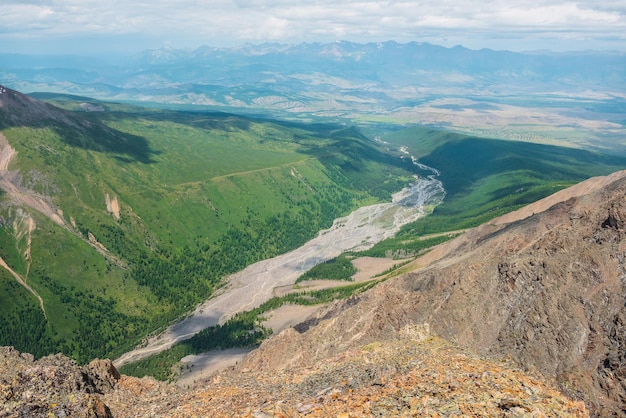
(125, 147)
(485, 178)
(77, 129)
(94, 136)
(208, 120)
(464, 163)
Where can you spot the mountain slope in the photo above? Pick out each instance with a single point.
(545, 287)
(121, 219)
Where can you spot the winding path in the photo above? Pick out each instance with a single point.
(6, 155)
(23, 283)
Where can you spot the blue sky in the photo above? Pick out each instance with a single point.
(99, 27)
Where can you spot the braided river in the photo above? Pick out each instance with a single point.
(254, 285)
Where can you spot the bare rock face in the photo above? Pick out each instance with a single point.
(53, 386)
(545, 287)
(102, 375)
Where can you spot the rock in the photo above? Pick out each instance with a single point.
(51, 386)
(102, 374)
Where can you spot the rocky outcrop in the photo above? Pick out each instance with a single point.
(546, 288)
(53, 386)
(412, 374)
(409, 374)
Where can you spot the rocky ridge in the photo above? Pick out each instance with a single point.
(414, 374)
(545, 286)
(53, 386)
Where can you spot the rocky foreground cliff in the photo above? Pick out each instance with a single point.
(413, 374)
(523, 316)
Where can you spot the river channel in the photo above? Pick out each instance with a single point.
(254, 285)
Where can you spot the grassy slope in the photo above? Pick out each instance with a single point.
(201, 195)
(485, 178)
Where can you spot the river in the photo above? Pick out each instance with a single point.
(254, 285)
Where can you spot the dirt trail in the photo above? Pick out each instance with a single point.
(6, 155)
(23, 283)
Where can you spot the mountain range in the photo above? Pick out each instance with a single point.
(540, 96)
(118, 219)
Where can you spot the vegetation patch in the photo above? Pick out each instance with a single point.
(405, 246)
(243, 330)
(338, 268)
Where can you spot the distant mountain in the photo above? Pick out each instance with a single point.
(373, 61)
(541, 95)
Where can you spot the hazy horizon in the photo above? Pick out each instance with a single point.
(87, 27)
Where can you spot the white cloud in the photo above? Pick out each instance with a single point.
(474, 23)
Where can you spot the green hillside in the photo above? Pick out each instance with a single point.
(200, 195)
(121, 219)
(485, 178)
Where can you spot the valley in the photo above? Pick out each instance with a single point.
(234, 191)
(254, 285)
(163, 211)
(202, 195)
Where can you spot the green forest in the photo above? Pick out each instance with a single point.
(338, 268)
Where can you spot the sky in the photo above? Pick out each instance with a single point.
(127, 26)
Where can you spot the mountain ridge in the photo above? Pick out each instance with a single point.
(546, 289)
(482, 91)
(413, 374)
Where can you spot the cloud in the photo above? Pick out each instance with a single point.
(479, 22)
